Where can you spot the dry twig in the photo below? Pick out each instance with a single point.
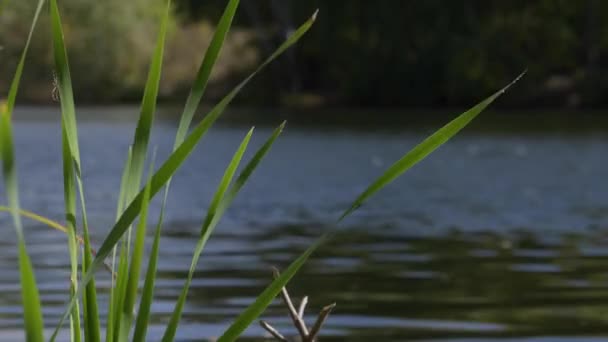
(297, 317)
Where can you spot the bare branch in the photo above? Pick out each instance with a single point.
(302, 307)
(273, 331)
(320, 320)
(297, 321)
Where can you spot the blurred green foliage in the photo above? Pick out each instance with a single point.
(389, 53)
(438, 53)
(110, 45)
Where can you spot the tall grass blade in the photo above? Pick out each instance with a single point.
(268, 295)
(221, 201)
(148, 108)
(134, 268)
(425, 148)
(69, 195)
(136, 165)
(12, 93)
(411, 158)
(113, 303)
(204, 71)
(32, 312)
(70, 136)
(205, 233)
(64, 81)
(147, 295)
(91, 312)
(171, 165)
(29, 291)
(192, 103)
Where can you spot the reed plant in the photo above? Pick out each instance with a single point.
(122, 249)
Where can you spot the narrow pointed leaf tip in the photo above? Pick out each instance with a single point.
(426, 147)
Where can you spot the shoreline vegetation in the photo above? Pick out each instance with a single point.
(394, 55)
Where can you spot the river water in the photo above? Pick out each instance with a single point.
(498, 235)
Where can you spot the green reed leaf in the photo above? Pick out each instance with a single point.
(32, 311)
(422, 150)
(172, 164)
(418, 153)
(205, 233)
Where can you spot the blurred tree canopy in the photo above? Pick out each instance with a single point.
(109, 45)
(385, 53)
(438, 53)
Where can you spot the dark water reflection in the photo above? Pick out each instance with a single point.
(496, 236)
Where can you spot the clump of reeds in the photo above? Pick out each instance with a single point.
(124, 244)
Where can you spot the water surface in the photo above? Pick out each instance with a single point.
(498, 236)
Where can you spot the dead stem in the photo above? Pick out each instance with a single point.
(297, 317)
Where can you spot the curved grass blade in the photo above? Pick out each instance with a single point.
(12, 93)
(134, 269)
(204, 71)
(41, 219)
(113, 300)
(176, 159)
(411, 158)
(171, 165)
(72, 169)
(206, 230)
(425, 148)
(134, 169)
(192, 103)
(268, 295)
(147, 295)
(148, 108)
(29, 291)
(221, 202)
(32, 312)
(50, 223)
(69, 194)
(64, 81)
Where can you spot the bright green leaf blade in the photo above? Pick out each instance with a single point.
(206, 231)
(171, 165)
(192, 103)
(71, 164)
(134, 167)
(64, 81)
(147, 295)
(204, 71)
(69, 195)
(113, 300)
(249, 168)
(122, 277)
(12, 94)
(32, 312)
(176, 159)
(209, 225)
(148, 108)
(265, 298)
(417, 154)
(424, 149)
(91, 312)
(135, 267)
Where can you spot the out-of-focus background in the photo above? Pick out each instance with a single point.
(389, 54)
(499, 235)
